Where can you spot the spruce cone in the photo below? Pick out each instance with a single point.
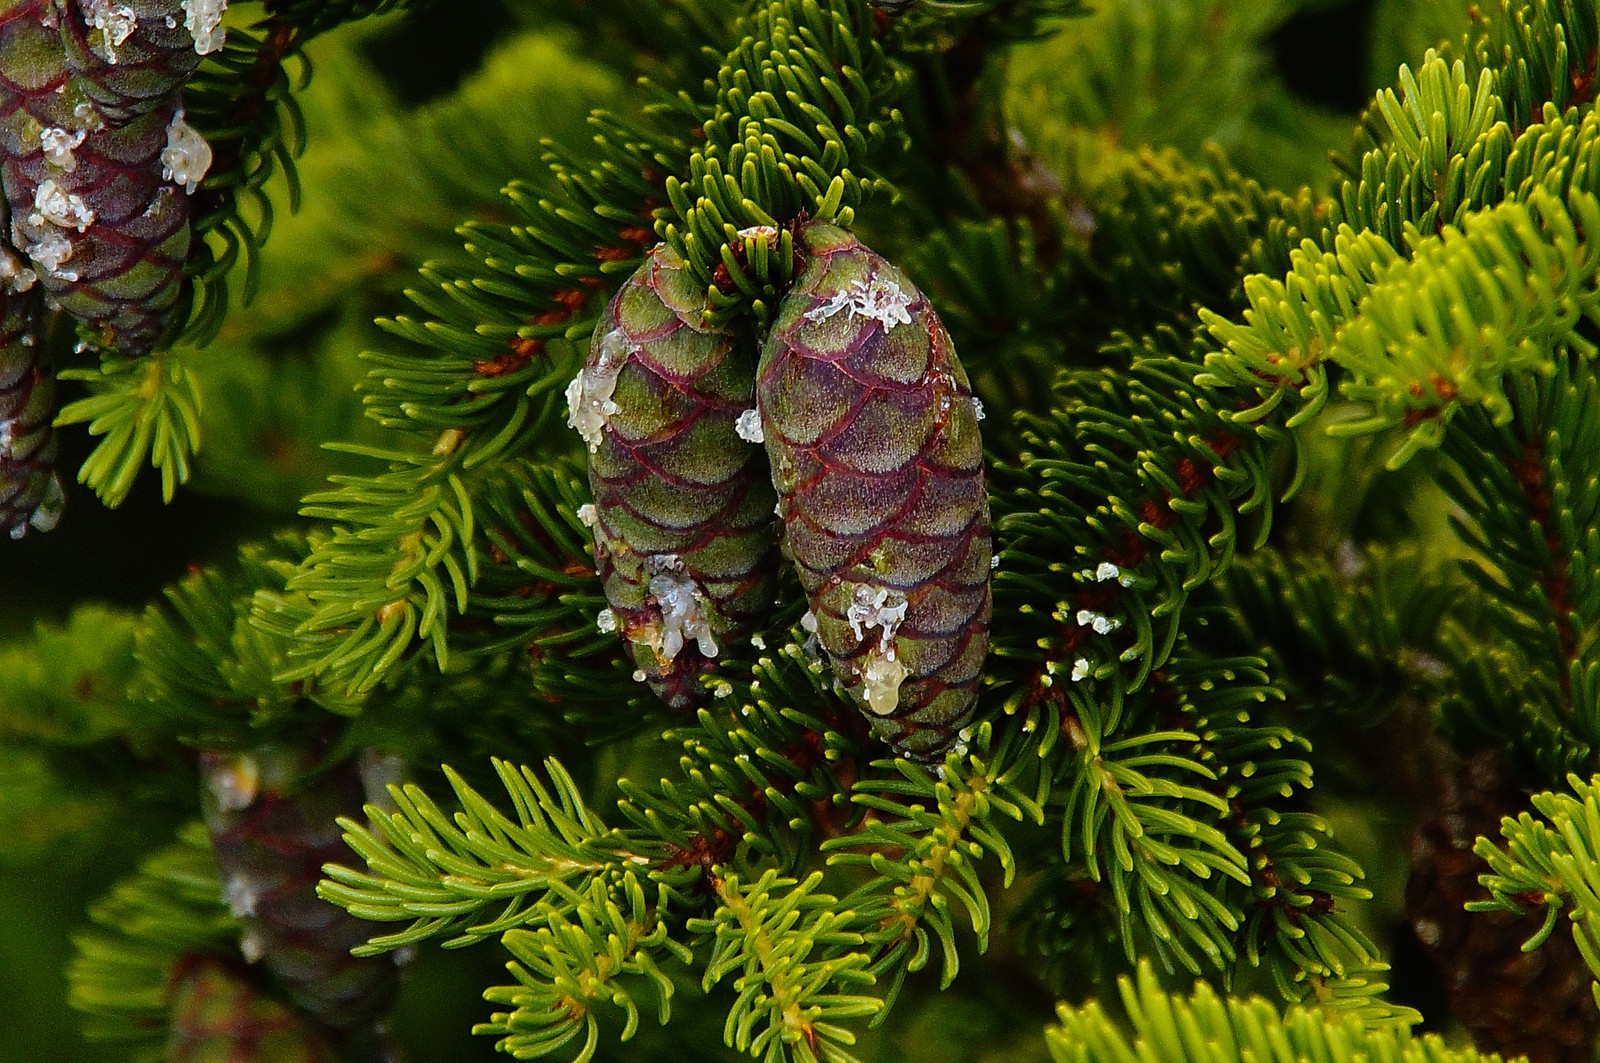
(271, 815)
(220, 1016)
(96, 161)
(685, 540)
(1535, 1003)
(872, 431)
(30, 493)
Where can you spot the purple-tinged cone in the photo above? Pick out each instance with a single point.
(96, 161)
(872, 431)
(685, 540)
(30, 493)
(271, 813)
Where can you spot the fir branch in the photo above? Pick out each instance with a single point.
(1441, 330)
(148, 410)
(1432, 159)
(763, 771)
(921, 843)
(1147, 473)
(1297, 924)
(1550, 863)
(567, 967)
(790, 1004)
(1206, 1026)
(207, 671)
(1422, 336)
(1144, 819)
(801, 109)
(401, 558)
(478, 872)
(170, 912)
(1529, 510)
(1544, 53)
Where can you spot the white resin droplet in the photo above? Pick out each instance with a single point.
(54, 204)
(48, 512)
(116, 23)
(879, 299)
(203, 19)
(1080, 669)
(881, 676)
(58, 146)
(977, 408)
(749, 426)
(235, 783)
(606, 620)
(588, 515)
(15, 276)
(46, 245)
(876, 607)
(1107, 571)
(682, 607)
(187, 156)
(589, 394)
(241, 895)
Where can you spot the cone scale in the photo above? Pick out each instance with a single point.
(872, 432)
(685, 542)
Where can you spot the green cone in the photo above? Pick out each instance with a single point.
(271, 813)
(30, 493)
(96, 162)
(685, 540)
(872, 431)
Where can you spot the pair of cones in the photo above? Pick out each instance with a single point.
(849, 441)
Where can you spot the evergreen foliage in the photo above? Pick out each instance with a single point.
(1291, 464)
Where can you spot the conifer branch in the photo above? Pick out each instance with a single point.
(1527, 505)
(567, 967)
(148, 409)
(1203, 1025)
(925, 833)
(1550, 863)
(790, 1004)
(169, 913)
(477, 873)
